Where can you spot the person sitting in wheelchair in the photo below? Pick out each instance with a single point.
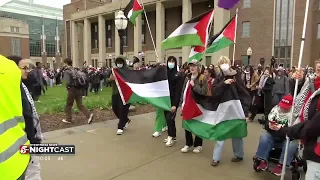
(277, 118)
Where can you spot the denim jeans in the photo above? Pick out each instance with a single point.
(101, 84)
(313, 172)
(237, 146)
(266, 143)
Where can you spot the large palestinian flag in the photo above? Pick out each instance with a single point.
(133, 10)
(213, 119)
(225, 38)
(147, 85)
(191, 33)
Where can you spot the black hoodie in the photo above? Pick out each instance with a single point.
(176, 80)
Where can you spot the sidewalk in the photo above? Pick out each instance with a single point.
(102, 155)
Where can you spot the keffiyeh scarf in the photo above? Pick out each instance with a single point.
(36, 120)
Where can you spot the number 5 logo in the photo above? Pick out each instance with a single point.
(24, 149)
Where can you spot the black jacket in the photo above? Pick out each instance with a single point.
(308, 130)
(176, 81)
(28, 117)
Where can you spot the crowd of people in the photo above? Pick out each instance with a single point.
(262, 88)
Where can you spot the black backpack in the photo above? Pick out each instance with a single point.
(78, 78)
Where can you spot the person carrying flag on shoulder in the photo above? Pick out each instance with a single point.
(120, 110)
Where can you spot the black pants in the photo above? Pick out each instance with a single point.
(189, 140)
(37, 92)
(170, 119)
(267, 103)
(120, 110)
(85, 91)
(95, 87)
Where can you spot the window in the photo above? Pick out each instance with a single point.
(95, 28)
(17, 29)
(143, 30)
(109, 44)
(95, 43)
(12, 29)
(78, 9)
(246, 29)
(78, 28)
(15, 47)
(318, 34)
(283, 31)
(109, 33)
(246, 3)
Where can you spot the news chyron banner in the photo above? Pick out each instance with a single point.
(48, 149)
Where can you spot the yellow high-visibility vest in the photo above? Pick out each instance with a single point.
(12, 135)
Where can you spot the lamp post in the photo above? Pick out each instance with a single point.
(121, 23)
(249, 53)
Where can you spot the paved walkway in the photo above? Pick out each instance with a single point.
(102, 155)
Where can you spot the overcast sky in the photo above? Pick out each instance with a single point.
(52, 3)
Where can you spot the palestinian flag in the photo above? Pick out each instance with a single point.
(225, 38)
(191, 33)
(196, 53)
(147, 85)
(213, 119)
(133, 10)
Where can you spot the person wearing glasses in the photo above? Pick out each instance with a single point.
(31, 118)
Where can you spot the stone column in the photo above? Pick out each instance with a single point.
(221, 17)
(116, 40)
(87, 40)
(186, 16)
(138, 36)
(102, 39)
(160, 33)
(74, 44)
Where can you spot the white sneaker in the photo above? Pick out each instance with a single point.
(197, 149)
(156, 134)
(185, 149)
(90, 118)
(119, 132)
(170, 141)
(166, 140)
(65, 121)
(165, 129)
(127, 125)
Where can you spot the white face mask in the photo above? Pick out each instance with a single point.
(119, 65)
(224, 67)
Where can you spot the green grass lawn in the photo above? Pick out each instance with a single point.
(55, 100)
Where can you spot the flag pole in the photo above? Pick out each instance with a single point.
(152, 39)
(235, 38)
(296, 85)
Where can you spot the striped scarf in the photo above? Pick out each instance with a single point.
(36, 120)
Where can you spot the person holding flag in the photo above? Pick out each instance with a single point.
(175, 80)
(199, 85)
(307, 124)
(227, 81)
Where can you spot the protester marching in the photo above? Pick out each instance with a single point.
(215, 102)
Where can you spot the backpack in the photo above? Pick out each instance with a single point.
(78, 78)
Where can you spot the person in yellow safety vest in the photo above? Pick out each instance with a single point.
(12, 135)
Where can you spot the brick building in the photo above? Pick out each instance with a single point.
(14, 38)
(265, 26)
(40, 19)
